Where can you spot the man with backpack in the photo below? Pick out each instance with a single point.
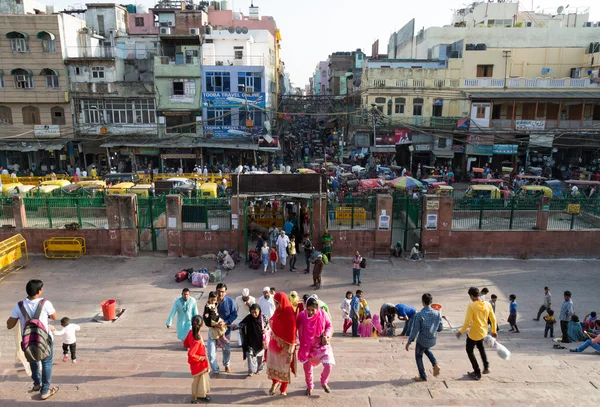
(357, 263)
(37, 344)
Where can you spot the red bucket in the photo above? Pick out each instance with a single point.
(437, 307)
(109, 309)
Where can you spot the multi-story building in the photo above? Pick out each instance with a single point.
(320, 82)
(513, 79)
(36, 124)
(343, 72)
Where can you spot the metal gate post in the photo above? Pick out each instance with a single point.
(512, 211)
(406, 221)
(481, 213)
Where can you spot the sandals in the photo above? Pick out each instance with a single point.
(308, 392)
(273, 388)
(326, 388)
(52, 392)
(201, 400)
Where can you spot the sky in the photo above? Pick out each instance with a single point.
(313, 29)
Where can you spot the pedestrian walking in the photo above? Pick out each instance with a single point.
(546, 305)
(264, 251)
(185, 308)
(197, 359)
(242, 306)
(282, 344)
(566, 312)
(476, 321)
(69, 339)
(308, 251)
(34, 307)
(254, 330)
(314, 333)
(512, 317)
(227, 312)
(327, 241)
(356, 260)
(319, 265)
(273, 258)
(266, 303)
(292, 250)
(283, 243)
(428, 322)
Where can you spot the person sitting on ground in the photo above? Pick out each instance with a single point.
(589, 321)
(575, 331)
(593, 341)
(398, 249)
(228, 263)
(415, 254)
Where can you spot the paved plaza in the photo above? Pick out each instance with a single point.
(136, 361)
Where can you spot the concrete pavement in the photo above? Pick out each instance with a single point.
(136, 361)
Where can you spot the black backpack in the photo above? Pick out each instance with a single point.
(363, 263)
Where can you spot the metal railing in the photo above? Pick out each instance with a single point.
(352, 213)
(6, 212)
(485, 83)
(495, 214)
(56, 212)
(574, 214)
(206, 214)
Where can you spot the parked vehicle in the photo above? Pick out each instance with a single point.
(556, 186)
(208, 190)
(483, 191)
(121, 177)
(120, 188)
(534, 191)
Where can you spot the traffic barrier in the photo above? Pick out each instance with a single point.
(13, 255)
(64, 247)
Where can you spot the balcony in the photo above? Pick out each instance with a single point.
(448, 123)
(167, 66)
(485, 83)
(541, 124)
(229, 60)
(91, 52)
(146, 129)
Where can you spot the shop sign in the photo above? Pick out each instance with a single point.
(46, 130)
(400, 136)
(262, 143)
(384, 222)
(479, 150)
(480, 140)
(506, 149)
(232, 99)
(178, 156)
(423, 147)
(458, 148)
(541, 140)
(574, 209)
(462, 123)
(231, 131)
(432, 222)
(530, 124)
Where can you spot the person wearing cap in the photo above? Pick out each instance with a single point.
(242, 305)
(282, 247)
(266, 303)
(228, 263)
(319, 265)
(415, 254)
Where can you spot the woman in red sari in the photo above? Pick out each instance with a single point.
(281, 362)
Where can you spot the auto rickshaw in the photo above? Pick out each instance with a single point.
(23, 190)
(8, 189)
(59, 182)
(120, 188)
(92, 182)
(556, 186)
(208, 190)
(141, 190)
(72, 189)
(444, 190)
(46, 190)
(534, 191)
(306, 171)
(485, 181)
(483, 191)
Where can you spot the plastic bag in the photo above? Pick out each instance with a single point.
(501, 350)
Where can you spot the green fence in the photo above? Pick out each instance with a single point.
(352, 213)
(494, 214)
(53, 212)
(6, 212)
(407, 222)
(206, 214)
(583, 214)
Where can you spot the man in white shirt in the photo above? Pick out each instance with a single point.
(242, 305)
(35, 289)
(282, 244)
(205, 171)
(266, 303)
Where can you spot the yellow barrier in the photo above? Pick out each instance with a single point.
(13, 255)
(344, 214)
(64, 247)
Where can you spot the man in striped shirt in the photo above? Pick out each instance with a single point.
(427, 323)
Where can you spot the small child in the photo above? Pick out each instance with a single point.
(216, 325)
(512, 318)
(550, 321)
(589, 321)
(69, 340)
(198, 361)
(493, 300)
(264, 250)
(345, 307)
(484, 291)
(273, 258)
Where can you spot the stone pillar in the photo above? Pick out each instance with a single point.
(19, 214)
(174, 226)
(121, 212)
(542, 215)
(383, 230)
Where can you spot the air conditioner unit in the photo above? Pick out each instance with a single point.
(170, 23)
(165, 30)
(588, 24)
(86, 30)
(21, 78)
(529, 24)
(194, 31)
(470, 47)
(219, 63)
(481, 47)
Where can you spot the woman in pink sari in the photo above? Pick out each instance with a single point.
(314, 332)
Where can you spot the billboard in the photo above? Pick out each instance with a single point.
(401, 136)
(231, 131)
(232, 99)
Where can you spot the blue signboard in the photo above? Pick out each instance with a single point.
(232, 131)
(232, 99)
(506, 149)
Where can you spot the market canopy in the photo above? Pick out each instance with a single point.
(405, 183)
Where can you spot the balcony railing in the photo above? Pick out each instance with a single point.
(449, 123)
(485, 83)
(229, 60)
(541, 124)
(110, 52)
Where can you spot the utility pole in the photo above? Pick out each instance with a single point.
(505, 55)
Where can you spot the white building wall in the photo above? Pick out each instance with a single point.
(70, 29)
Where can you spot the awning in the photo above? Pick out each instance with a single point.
(31, 145)
(16, 71)
(48, 71)
(383, 149)
(444, 153)
(17, 34)
(40, 35)
(189, 143)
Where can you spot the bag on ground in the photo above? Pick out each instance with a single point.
(181, 276)
(200, 280)
(36, 343)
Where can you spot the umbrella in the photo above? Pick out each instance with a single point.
(405, 183)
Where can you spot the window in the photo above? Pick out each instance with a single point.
(51, 78)
(58, 115)
(183, 87)
(252, 81)
(399, 105)
(78, 70)
(389, 107)
(218, 117)
(380, 101)
(442, 142)
(119, 111)
(19, 42)
(92, 111)
(2, 84)
(480, 112)
(238, 52)
(145, 112)
(31, 115)
(97, 72)
(250, 114)
(139, 21)
(418, 107)
(485, 71)
(23, 79)
(48, 41)
(218, 82)
(5, 115)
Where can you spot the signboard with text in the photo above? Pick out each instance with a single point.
(506, 149)
(530, 124)
(46, 130)
(232, 99)
(400, 136)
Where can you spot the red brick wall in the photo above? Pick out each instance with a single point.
(97, 241)
(197, 243)
(346, 242)
(517, 244)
